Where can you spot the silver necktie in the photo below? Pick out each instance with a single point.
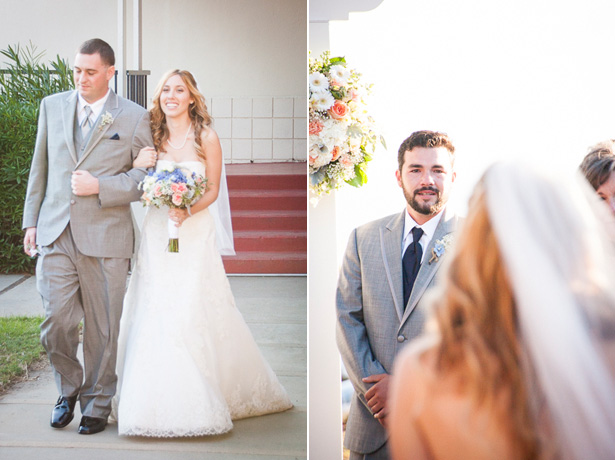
(86, 124)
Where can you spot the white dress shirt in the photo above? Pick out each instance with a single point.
(429, 228)
(96, 108)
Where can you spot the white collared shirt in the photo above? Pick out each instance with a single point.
(429, 229)
(96, 108)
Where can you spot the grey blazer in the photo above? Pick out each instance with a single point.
(101, 224)
(372, 325)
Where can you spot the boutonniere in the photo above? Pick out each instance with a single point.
(439, 248)
(105, 119)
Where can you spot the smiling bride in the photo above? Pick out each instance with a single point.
(187, 363)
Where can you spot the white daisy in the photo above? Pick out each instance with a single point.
(340, 74)
(322, 101)
(318, 82)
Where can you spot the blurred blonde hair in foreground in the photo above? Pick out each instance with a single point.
(525, 325)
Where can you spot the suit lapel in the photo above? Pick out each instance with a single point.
(428, 270)
(69, 111)
(390, 240)
(99, 130)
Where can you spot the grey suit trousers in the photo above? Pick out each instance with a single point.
(381, 454)
(75, 287)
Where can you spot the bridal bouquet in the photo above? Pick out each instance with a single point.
(342, 135)
(174, 187)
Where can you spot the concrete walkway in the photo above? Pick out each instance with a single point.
(275, 309)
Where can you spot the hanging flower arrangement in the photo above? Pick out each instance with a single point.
(342, 135)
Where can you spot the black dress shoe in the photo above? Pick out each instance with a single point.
(63, 412)
(91, 425)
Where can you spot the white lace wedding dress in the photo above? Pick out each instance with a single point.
(187, 362)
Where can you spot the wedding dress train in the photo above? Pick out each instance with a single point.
(187, 362)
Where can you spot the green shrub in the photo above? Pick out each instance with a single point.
(23, 85)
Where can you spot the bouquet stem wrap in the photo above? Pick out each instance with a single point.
(173, 236)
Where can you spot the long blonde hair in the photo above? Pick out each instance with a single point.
(197, 112)
(477, 320)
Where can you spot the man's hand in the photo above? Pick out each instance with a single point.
(29, 242)
(83, 183)
(376, 396)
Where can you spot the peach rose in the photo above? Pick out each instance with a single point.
(339, 110)
(315, 126)
(336, 153)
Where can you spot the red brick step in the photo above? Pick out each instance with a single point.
(268, 182)
(269, 214)
(274, 241)
(270, 200)
(266, 220)
(266, 263)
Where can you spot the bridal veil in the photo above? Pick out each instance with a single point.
(221, 212)
(557, 246)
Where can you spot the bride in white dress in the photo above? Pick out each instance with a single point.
(187, 362)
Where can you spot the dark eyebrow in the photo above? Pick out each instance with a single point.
(416, 165)
(85, 70)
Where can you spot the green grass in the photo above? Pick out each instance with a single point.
(19, 347)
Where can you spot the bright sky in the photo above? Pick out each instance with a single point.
(505, 79)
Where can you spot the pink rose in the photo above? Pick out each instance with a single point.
(177, 199)
(179, 188)
(316, 126)
(346, 160)
(354, 94)
(339, 110)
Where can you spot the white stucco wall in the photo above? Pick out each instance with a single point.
(249, 57)
(55, 27)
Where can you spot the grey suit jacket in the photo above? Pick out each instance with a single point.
(373, 325)
(101, 224)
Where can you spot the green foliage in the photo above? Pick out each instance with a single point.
(23, 84)
(19, 346)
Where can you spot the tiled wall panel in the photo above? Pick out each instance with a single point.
(261, 129)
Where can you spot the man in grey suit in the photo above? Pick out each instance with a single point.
(77, 215)
(388, 265)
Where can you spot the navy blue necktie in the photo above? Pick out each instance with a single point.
(411, 262)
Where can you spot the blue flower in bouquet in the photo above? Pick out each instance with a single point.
(174, 187)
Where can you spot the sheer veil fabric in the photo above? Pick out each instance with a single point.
(220, 210)
(557, 245)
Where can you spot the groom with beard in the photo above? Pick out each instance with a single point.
(388, 266)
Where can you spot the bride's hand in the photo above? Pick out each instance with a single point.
(146, 158)
(178, 215)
